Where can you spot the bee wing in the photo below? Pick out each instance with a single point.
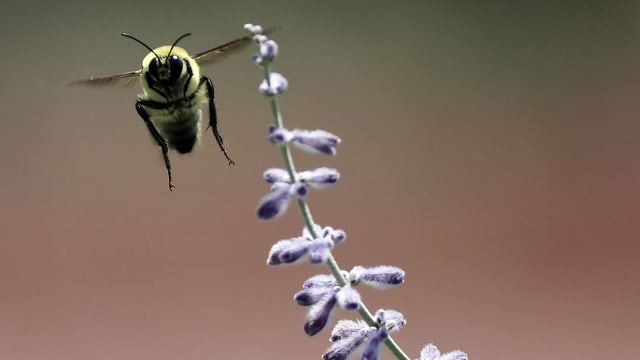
(219, 52)
(124, 79)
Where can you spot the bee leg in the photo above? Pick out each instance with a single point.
(213, 117)
(158, 138)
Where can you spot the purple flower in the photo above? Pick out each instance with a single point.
(374, 339)
(379, 277)
(347, 339)
(274, 204)
(348, 298)
(320, 178)
(348, 328)
(337, 235)
(319, 314)
(431, 352)
(310, 296)
(276, 85)
(280, 135)
(312, 141)
(392, 320)
(298, 250)
(320, 281)
(275, 175)
(268, 50)
(315, 141)
(288, 251)
(319, 250)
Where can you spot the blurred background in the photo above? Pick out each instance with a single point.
(491, 150)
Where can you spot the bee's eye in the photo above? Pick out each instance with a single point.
(153, 68)
(175, 66)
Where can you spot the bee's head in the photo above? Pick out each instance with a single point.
(163, 64)
(165, 69)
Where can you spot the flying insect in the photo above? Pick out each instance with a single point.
(172, 92)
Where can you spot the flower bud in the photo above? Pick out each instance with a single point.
(275, 175)
(431, 352)
(310, 296)
(274, 204)
(379, 277)
(315, 141)
(347, 337)
(289, 251)
(348, 298)
(320, 178)
(319, 314)
(268, 50)
(320, 281)
(374, 339)
(280, 136)
(319, 250)
(392, 320)
(276, 85)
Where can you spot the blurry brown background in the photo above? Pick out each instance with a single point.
(490, 150)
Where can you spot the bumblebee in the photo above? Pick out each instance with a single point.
(173, 91)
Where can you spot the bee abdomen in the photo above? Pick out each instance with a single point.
(182, 131)
(182, 139)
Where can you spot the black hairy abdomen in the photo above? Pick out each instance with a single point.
(180, 129)
(182, 138)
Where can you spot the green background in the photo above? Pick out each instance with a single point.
(489, 148)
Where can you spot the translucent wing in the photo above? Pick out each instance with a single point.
(219, 52)
(124, 79)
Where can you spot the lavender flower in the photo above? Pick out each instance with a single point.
(320, 281)
(321, 293)
(280, 136)
(274, 204)
(297, 250)
(379, 277)
(275, 175)
(347, 339)
(355, 338)
(268, 50)
(315, 141)
(348, 298)
(431, 352)
(391, 320)
(305, 248)
(319, 314)
(276, 84)
(336, 235)
(310, 296)
(320, 178)
(287, 251)
(348, 328)
(375, 337)
(312, 141)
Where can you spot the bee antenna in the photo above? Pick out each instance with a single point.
(176, 42)
(141, 43)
